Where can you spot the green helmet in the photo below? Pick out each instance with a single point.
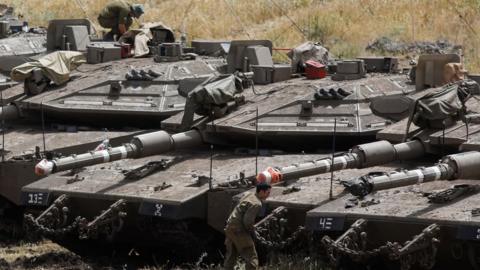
(138, 10)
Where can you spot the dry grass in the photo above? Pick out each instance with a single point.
(345, 26)
(28, 250)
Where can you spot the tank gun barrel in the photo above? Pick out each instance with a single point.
(457, 166)
(360, 156)
(143, 145)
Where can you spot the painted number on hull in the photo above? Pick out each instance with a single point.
(317, 223)
(158, 210)
(36, 198)
(325, 224)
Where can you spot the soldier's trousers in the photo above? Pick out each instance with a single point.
(240, 243)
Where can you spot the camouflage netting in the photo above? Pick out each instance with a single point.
(308, 51)
(438, 108)
(210, 96)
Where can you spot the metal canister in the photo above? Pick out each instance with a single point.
(4, 26)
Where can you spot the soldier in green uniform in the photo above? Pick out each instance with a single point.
(240, 227)
(117, 15)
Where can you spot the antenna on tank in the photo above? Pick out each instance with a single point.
(256, 143)
(43, 126)
(213, 121)
(3, 128)
(333, 154)
(443, 137)
(210, 185)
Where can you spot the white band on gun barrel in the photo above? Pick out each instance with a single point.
(123, 151)
(268, 176)
(420, 175)
(106, 155)
(438, 173)
(326, 162)
(343, 160)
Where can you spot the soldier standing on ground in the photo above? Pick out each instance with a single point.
(240, 227)
(117, 16)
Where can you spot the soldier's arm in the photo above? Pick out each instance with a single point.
(249, 217)
(122, 28)
(122, 20)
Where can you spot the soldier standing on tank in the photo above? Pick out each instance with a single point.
(117, 16)
(240, 227)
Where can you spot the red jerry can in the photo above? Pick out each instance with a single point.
(126, 50)
(315, 70)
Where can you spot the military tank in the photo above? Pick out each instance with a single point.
(60, 120)
(102, 85)
(96, 96)
(167, 198)
(411, 223)
(273, 124)
(216, 131)
(406, 217)
(407, 211)
(124, 201)
(18, 43)
(436, 201)
(17, 48)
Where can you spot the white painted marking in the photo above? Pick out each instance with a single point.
(438, 173)
(420, 175)
(123, 152)
(343, 160)
(106, 155)
(326, 163)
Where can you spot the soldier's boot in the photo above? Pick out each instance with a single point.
(249, 254)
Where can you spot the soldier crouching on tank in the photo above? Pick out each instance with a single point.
(117, 16)
(240, 228)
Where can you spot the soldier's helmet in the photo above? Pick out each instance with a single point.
(138, 10)
(263, 185)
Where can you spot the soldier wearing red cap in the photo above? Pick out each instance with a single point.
(240, 227)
